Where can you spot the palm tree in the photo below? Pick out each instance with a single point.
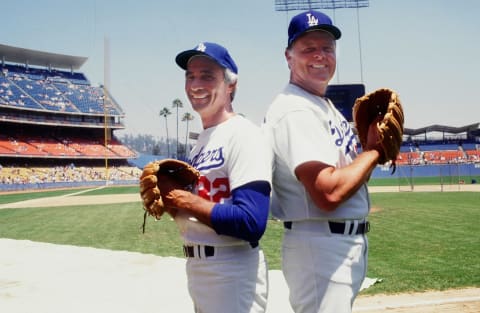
(187, 117)
(177, 104)
(166, 112)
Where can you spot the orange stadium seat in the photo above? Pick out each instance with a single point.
(53, 147)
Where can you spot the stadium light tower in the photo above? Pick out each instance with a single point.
(292, 5)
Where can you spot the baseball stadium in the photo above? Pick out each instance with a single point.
(58, 130)
(71, 216)
(58, 136)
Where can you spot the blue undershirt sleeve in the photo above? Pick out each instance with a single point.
(246, 217)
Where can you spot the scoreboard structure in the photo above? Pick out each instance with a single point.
(344, 96)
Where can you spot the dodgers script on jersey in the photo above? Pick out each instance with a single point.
(307, 119)
(222, 169)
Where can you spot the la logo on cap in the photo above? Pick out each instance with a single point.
(201, 47)
(312, 20)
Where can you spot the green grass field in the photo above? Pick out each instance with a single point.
(418, 241)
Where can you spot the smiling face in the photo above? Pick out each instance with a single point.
(312, 61)
(208, 91)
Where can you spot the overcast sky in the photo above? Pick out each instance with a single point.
(427, 50)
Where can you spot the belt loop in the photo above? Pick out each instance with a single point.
(348, 225)
(353, 230)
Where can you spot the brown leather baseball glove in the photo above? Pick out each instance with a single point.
(383, 107)
(158, 178)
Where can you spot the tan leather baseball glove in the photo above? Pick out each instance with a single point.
(158, 178)
(383, 107)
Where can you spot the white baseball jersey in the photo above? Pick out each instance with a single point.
(228, 155)
(303, 127)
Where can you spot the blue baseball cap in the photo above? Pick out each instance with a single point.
(308, 21)
(210, 49)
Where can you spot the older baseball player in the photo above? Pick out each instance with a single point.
(319, 181)
(222, 224)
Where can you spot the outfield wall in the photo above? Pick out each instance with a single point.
(447, 171)
(60, 185)
(450, 173)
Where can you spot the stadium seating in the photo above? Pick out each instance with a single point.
(52, 147)
(12, 95)
(55, 91)
(34, 145)
(438, 153)
(473, 155)
(46, 95)
(11, 145)
(52, 126)
(120, 149)
(69, 173)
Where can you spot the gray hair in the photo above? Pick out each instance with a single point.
(231, 78)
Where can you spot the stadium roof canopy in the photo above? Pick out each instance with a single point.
(40, 58)
(472, 128)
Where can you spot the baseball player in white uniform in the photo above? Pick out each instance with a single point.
(319, 180)
(223, 222)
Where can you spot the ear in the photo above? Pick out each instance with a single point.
(288, 56)
(232, 87)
